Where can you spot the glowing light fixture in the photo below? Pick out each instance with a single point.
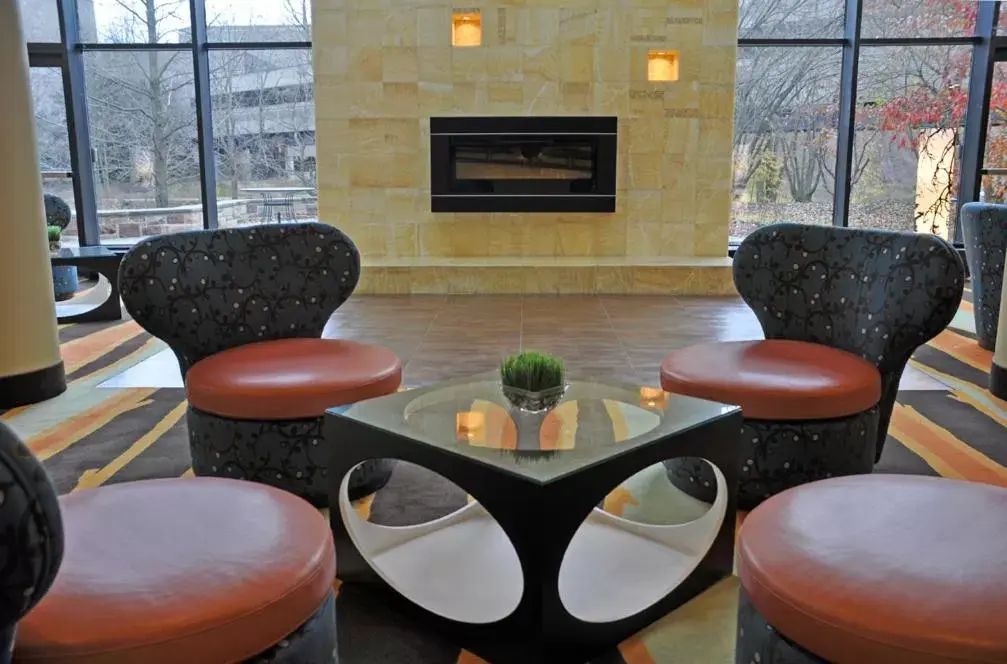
(466, 28)
(662, 66)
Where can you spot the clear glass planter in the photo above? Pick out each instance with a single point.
(534, 402)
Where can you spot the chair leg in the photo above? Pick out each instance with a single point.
(7, 644)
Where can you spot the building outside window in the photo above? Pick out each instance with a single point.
(141, 60)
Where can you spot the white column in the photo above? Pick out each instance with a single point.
(998, 372)
(30, 365)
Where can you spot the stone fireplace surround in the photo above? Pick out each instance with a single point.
(383, 69)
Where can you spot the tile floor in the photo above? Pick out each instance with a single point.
(619, 338)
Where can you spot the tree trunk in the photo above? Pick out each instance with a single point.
(159, 157)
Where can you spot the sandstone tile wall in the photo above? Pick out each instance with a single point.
(384, 67)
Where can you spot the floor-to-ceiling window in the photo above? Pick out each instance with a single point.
(906, 112)
(143, 61)
(200, 113)
(786, 102)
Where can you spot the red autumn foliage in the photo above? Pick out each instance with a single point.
(940, 101)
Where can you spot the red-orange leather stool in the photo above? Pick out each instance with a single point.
(200, 571)
(875, 569)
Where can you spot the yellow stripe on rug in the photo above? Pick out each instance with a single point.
(963, 349)
(121, 364)
(57, 438)
(969, 393)
(87, 349)
(942, 450)
(92, 478)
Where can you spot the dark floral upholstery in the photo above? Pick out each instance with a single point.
(31, 534)
(206, 291)
(780, 455)
(878, 294)
(203, 292)
(984, 226)
(760, 643)
(290, 454)
(314, 642)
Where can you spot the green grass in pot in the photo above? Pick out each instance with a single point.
(532, 371)
(55, 233)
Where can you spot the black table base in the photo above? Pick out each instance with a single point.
(106, 264)
(540, 520)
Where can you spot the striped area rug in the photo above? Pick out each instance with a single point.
(92, 436)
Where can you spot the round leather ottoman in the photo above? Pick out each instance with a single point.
(201, 571)
(875, 569)
(255, 411)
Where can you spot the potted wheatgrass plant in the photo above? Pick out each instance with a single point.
(532, 381)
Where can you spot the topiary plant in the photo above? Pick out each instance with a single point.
(532, 380)
(532, 371)
(54, 236)
(57, 212)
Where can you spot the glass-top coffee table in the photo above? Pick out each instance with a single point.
(532, 568)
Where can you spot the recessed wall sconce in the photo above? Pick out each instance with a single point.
(662, 66)
(466, 28)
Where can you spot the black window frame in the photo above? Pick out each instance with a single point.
(68, 55)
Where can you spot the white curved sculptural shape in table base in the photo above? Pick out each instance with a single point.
(464, 568)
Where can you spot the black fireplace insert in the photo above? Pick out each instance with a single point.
(523, 164)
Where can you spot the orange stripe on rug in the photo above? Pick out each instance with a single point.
(466, 657)
(363, 507)
(57, 438)
(942, 450)
(93, 478)
(115, 367)
(634, 651)
(966, 306)
(970, 394)
(963, 349)
(87, 349)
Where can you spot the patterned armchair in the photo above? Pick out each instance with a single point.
(852, 303)
(243, 310)
(31, 535)
(984, 226)
(203, 292)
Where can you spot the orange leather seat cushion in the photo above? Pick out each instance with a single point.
(291, 379)
(874, 569)
(180, 570)
(775, 379)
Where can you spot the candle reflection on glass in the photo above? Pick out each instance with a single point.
(470, 427)
(653, 397)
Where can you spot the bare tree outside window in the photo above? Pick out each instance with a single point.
(786, 102)
(141, 106)
(263, 111)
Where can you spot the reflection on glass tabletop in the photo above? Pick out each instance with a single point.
(84, 252)
(595, 420)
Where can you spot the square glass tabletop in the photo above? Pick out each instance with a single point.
(594, 421)
(74, 254)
